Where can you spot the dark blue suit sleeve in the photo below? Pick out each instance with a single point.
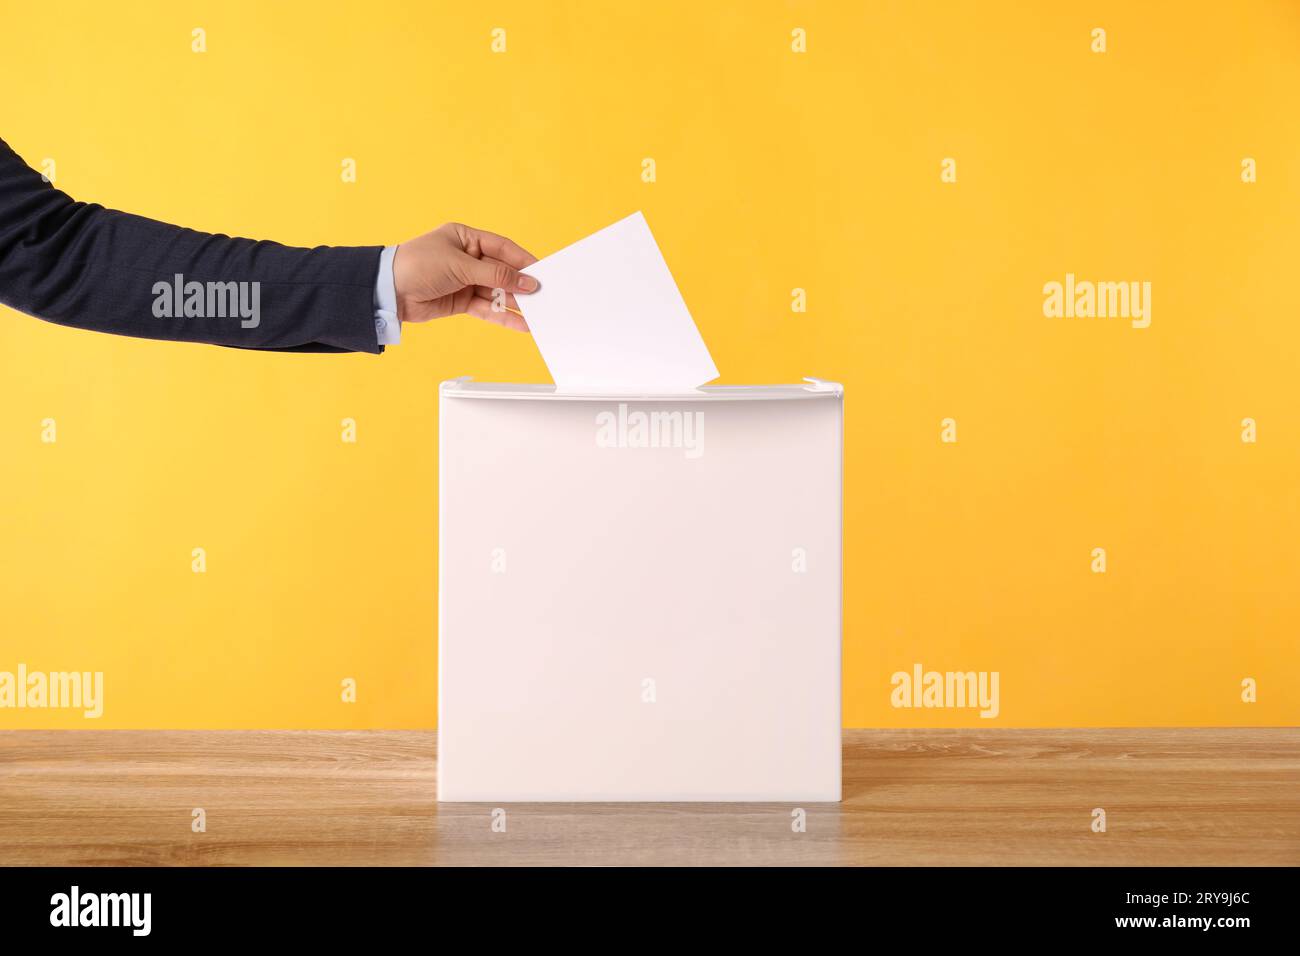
(81, 265)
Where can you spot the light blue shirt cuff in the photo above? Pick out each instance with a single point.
(387, 326)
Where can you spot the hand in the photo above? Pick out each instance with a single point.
(455, 270)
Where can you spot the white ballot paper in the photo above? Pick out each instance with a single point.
(608, 315)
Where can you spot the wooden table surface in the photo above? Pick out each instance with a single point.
(1007, 797)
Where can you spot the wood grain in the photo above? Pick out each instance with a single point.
(1010, 797)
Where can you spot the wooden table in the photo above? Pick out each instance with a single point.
(1003, 797)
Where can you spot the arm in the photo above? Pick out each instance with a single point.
(81, 265)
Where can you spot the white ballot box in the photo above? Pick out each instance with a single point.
(639, 594)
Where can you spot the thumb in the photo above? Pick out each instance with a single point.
(495, 274)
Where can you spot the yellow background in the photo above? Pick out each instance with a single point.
(775, 170)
